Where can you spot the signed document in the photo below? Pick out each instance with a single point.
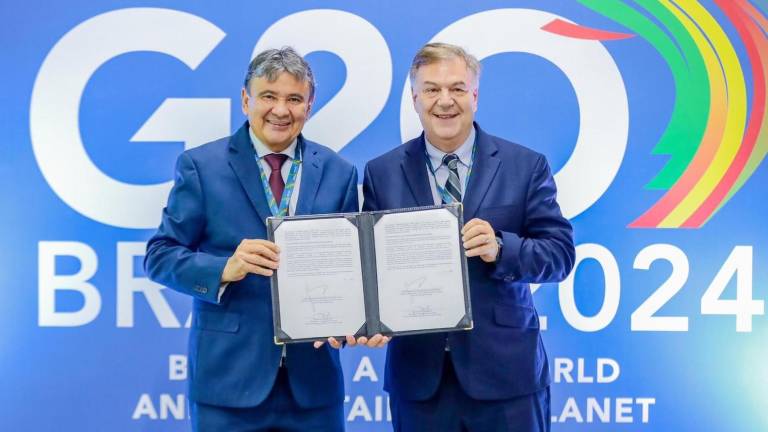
(392, 272)
(320, 284)
(418, 264)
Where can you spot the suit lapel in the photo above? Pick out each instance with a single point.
(311, 173)
(415, 171)
(484, 169)
(242, 159)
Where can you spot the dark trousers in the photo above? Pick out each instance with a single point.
(452, 410)
(278, 413)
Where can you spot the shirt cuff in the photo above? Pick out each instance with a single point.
(222, 288)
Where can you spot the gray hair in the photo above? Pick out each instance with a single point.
(273, 62)
(438, 51)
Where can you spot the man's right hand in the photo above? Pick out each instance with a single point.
(251, 256)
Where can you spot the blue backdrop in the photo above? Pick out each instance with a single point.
(651, 114)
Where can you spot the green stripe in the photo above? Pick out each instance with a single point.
(688, 121)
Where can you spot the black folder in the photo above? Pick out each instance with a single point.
(365, 223)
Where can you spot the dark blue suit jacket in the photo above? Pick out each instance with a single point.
(217, 201)
(512, 188)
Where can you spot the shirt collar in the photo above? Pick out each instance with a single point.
(262, 149)
(464, 152)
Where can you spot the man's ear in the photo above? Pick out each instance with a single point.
(475, 95)
(244, 100)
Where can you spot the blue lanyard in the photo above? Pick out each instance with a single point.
(289, 185)
(446, 197)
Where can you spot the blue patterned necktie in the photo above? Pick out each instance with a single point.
(452, 184)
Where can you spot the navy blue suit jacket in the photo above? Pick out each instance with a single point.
(512, 188)
(217, 201)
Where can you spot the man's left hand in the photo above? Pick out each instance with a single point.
(479, 239)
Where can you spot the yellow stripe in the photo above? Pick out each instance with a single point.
(736, 106)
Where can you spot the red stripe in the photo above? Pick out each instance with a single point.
(564, 28)
(746, 29)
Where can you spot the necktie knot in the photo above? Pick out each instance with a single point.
(451, 161)
(275, 160)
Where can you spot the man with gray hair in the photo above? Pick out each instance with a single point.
(211, 245)
(494, 377)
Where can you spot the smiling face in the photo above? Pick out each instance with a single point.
(277, 110)
(445, 97)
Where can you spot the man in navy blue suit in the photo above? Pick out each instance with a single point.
(211, 244)
(496, 376)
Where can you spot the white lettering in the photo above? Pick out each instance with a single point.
(571, 410)
(365, 369)
(128, 285)
(359, 409)
(603, 412)
(54, 113)
(607, 364)
(624, 410)
(563, 368)
(144, 408)
(580, 374)
(607, 371)
(175, 407)
(645, 404)
(171, 407)
(177, 367)
(49, 283)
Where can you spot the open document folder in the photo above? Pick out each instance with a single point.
(392, 272)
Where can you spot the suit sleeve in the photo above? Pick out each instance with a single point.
(351, 201)
(544, 251)
(369, 194)
(173, 258)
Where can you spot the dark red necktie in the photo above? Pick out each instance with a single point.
(276, 183)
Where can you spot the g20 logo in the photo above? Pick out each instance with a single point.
(60, 153)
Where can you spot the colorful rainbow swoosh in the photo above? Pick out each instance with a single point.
(715, 142)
